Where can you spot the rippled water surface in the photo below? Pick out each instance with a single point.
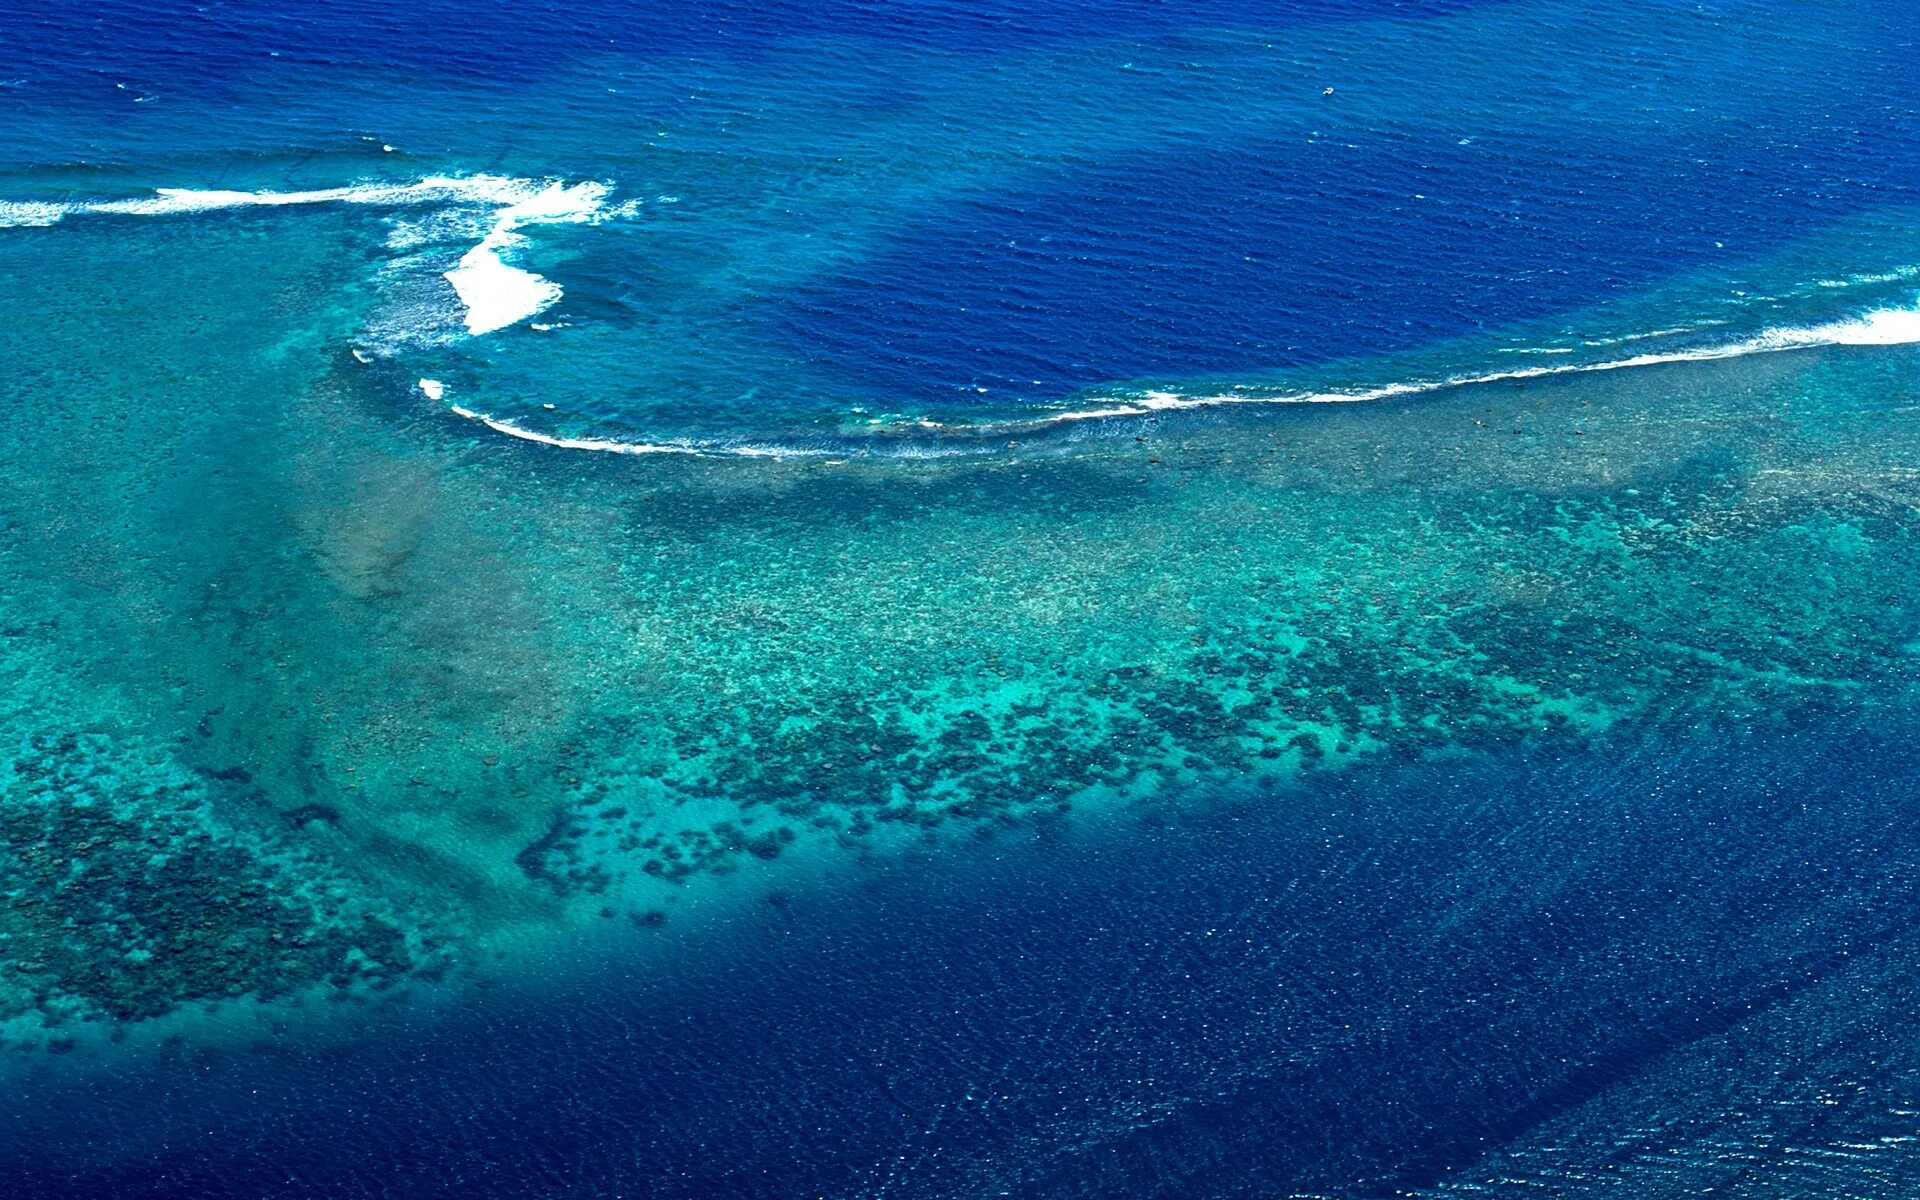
(1067, 600)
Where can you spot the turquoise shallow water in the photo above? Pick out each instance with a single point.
(998, 728)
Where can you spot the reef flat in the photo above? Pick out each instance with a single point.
(332, 694)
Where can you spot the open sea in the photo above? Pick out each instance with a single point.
(858, 600)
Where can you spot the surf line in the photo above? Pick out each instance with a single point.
(493, 292)
(609, 446)
(1878, 327)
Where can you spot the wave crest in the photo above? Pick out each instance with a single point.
(1876, 327)
(494, 293)
(926, 438)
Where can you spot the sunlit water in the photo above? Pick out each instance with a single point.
(918, 602)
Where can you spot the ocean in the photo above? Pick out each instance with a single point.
(903, 600)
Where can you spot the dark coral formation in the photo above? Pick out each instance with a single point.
(1396, 625)
(577, 685)
(125, 897)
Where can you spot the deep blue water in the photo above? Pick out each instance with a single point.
(1672, 962)
(964, 214)
(1258, 255)
(495, 36)
(1358, 995)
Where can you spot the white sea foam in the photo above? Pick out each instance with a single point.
(1651, 333)
(1896, 275)
(481, 189)
(498, 294)
(15, 213)
(610, 446)
(1879, 327)
(494, 293)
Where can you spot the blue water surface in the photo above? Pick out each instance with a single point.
(1407, 980)
(1360, 994)
(943, 211)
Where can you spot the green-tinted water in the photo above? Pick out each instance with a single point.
(317, 688)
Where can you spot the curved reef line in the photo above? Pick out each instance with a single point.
(1875, 327)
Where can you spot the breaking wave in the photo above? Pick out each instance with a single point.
(925, 438)
(493, 292)
(1877, 327)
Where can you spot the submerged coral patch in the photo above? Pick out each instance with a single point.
(127, 896)
(332, 694)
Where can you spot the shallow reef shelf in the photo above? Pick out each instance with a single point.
(376, 694)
